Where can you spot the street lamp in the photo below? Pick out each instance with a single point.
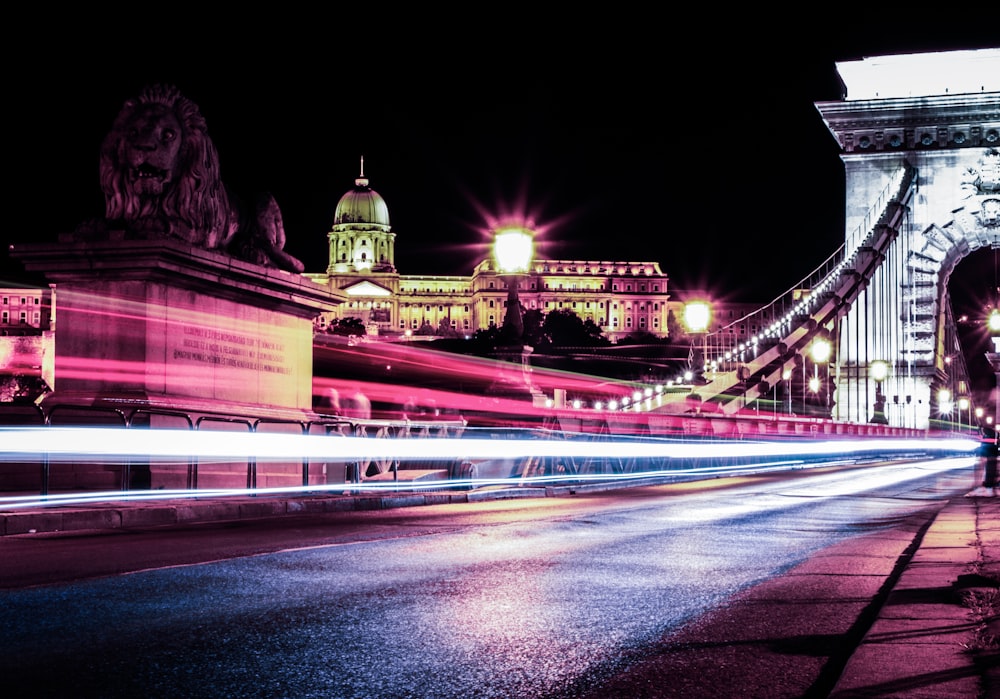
(944, 402)
(697, 318)
(513, 248)
(879, 371)
(786, 376)
(820, 353)
(993, 357)
(964, 404)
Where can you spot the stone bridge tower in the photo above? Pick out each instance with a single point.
(940, 114)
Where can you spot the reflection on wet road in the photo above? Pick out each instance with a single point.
(490, 608)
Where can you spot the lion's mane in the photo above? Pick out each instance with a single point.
(192, 203)
(194, 206)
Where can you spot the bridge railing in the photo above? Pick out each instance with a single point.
(134, 472)
(147, 471)
(778, 317)
(740, 368)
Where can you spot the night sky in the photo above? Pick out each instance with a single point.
(622, 138)
(697, 148)
(696, 144)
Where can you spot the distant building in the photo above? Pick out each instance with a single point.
(620, 297)
(24, 311)
(26, 343)
(740, 320)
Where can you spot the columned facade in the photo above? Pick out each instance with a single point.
(621, 298)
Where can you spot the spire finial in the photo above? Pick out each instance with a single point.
(361, 180)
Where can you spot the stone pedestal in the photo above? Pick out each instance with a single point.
(173, 325)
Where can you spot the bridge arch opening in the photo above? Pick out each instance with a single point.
(974, 290)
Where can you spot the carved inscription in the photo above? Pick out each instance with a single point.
(231, 349)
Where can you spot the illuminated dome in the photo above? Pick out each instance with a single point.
(362, 205)
(361, 239)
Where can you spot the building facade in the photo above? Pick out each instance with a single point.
(24, 311)
(622, 298)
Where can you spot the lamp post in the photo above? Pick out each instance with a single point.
(944, 403)
(993, 324)
(697, 318)
(513, 249)
(820, 352)
(786, 376)
(964, 404)
(879, 371)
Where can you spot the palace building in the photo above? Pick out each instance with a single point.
(621, 298)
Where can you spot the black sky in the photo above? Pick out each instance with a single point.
(697, 147)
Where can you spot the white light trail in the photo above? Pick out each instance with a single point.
(848, 484)
(62, 444)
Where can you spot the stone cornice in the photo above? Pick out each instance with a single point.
(922, 123)
(181, 265)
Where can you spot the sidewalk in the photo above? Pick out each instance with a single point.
(937, 634)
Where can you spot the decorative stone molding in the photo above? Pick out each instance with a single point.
(951, 121)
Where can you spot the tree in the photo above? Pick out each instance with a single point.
(346, 326)
(444, 329)
(532, 321)
(485, 341)
(675, 332)
(564, 328)
(640, 337)
(594, 332)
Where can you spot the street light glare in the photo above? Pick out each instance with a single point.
(880, 370)
(513, 248)
(821, 351)
(697, 316)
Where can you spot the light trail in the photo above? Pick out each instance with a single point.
(671, 459)
(521, 484)
(88, 444)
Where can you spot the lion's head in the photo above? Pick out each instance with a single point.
(160, 171)
(160, 177)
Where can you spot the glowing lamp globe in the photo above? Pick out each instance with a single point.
(879, 370)
(821, 351)
(513, 249)
(697, 316)
(944, 400)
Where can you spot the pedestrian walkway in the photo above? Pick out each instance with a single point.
(937, 634)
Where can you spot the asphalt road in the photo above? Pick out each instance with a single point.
(556, 597)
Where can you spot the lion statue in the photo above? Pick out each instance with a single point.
(159, 172)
